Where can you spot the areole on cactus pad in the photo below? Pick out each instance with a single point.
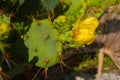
(42, 43)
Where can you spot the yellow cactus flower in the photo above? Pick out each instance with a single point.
(62, 18)
(83, 32)
(4, 28)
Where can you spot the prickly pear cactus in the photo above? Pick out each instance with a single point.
(43, 44)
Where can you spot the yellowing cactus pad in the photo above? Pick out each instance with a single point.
(83, 32)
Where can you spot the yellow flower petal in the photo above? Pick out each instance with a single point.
(90, 23)
(83, 36)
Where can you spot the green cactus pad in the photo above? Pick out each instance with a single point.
(49, 4)
(42, 43)
(93, 3)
